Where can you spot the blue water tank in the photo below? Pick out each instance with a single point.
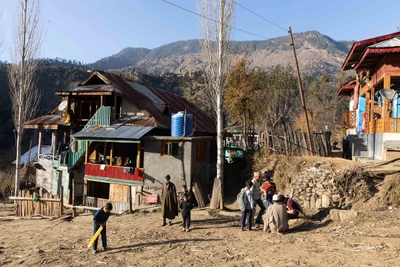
(178, 122)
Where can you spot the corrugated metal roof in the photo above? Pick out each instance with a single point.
(114, 132)
(46, 150)
(93, 88)
(395, 42)
(358, 48)
(51, 119)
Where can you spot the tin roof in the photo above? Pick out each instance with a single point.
(50, 121)
(92, 88)
(347, 88)
(374, 53)
(358, 48)
(113, 132)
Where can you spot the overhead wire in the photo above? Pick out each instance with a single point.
(197, 14)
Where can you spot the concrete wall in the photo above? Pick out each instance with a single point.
(375, 145)
(157, 166)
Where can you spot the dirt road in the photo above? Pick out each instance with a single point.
(373, 239)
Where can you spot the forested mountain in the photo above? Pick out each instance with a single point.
(316, 52)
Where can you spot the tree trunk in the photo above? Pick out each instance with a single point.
(18, 162)
(220, 148)
(244, 135)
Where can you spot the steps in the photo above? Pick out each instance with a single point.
(360, 146)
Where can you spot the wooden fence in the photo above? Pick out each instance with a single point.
(47, 205)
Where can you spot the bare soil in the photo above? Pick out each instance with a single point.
(372, 239)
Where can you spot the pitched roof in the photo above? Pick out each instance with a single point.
(153, 100)
(358, 48)
(117, 132)
(347, 88)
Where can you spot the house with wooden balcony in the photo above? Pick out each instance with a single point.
(111, 142)
(373, 104)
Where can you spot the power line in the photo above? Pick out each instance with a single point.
(197, 14)
(267, 20)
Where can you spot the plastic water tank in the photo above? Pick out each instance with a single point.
(178, 122)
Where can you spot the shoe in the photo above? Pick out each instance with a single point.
(253, 227)
(164, 224)
(169, 223)
(105, 249)
(183, 230)
(187, 230)
(243, 229)
(94, 251)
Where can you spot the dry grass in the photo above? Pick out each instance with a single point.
(7, 182)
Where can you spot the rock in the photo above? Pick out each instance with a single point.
(312, 202)
(325, 201)
(342, 215)
(306, 204)
(318, 203)
(335, 197)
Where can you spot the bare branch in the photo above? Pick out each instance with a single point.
(24, 94)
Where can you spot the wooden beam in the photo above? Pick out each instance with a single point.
(86, 151)
(29, 198)
(139, 155)
(111, 153)
(61, 201)
(40, 142)
(101, 100)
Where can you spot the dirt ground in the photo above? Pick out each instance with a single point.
(372, 239)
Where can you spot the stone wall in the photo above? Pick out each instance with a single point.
(316, 188)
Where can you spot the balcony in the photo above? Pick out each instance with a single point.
(385, 125)
(114, 174)
(350, 119)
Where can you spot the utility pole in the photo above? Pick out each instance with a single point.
(303, 102)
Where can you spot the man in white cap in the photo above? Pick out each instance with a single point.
(276, 218)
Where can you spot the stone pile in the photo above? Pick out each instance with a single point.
(315, 188)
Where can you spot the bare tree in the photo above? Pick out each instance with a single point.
(216, 24)
(22, 71)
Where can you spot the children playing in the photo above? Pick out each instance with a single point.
(99, 219)
(186, 207)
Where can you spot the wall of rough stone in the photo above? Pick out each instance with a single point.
(315, 188)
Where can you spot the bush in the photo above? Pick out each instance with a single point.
(7, 183)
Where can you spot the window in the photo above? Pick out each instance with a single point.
(169, 148)
(98, 189)
(201, 151)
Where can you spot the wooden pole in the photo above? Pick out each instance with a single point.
(73, 199)
(61, 201)
(303, 103)
(86, 151)
(40, 143)
(111, 153)
(130, 198)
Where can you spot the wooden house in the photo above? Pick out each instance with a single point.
(111, 142)
(373, 105)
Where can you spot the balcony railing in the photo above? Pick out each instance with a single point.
(350, 119)
(118, 174)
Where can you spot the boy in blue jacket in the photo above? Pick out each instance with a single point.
(99, 219)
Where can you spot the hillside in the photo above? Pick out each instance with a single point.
(317, 53)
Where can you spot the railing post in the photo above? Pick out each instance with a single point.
(61, 200)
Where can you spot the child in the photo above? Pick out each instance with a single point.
(247, 213)
(186, 206)
(184, 191)
(99, 219)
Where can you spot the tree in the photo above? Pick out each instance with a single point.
(216, 26)
(22, 71)
(239, 98)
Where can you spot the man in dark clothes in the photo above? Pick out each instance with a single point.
(169, 201)
(346, 146)
(293, 209)
(99, 219)
(186, 207)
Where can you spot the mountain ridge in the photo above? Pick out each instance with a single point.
(317, 53)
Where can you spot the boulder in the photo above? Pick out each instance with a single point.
(325, 201)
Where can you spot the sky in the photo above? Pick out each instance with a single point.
(88, 30)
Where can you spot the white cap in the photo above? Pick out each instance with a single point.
(275, 198)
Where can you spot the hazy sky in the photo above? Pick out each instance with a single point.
(87, 30)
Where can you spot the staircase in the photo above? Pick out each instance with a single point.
(360, 146)
(101, 117)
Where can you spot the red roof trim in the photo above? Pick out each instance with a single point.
(367, 42)
(370, 51)
(345, 89)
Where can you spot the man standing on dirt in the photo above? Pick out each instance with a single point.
(257, 197)
(169, 201)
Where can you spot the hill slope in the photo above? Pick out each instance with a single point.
(317, 53)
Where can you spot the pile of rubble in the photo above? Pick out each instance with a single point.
(317, 187)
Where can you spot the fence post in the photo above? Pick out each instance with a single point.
(73, 199)
(61, 200)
